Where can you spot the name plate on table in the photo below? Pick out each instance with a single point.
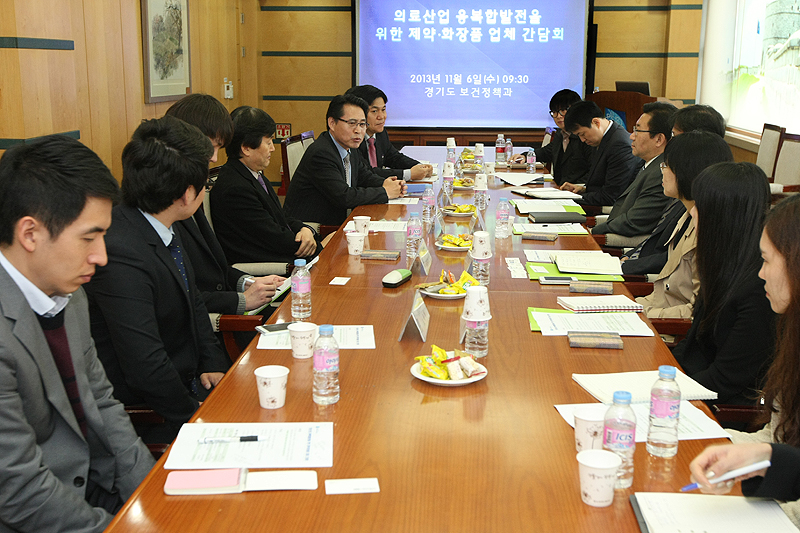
(425, 258)
(381, 255)
(477, 222)
(420, 316)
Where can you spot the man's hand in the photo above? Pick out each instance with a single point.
(210, 379)
(394, 187)
(259, 292)
(421, 171)
(307, 243)
(519, 158)
(571, 187)
(715, 461)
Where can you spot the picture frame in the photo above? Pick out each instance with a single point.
(165, 50)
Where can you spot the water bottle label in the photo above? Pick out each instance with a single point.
(664, 408)
(482, 324)
(300, 286)
(618, 437)
(531, 157)
(326, 360)
(449, 178)
(430, 200)
(414, 232)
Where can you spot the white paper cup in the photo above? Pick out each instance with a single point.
(488, 167)
(448, 169)
(589, 427)
(303, 335)
(271, 383)
(362, 224)
(481, 183)
(355, 243)
(598, 472)
(451, 142)
(476, 304)
(479, 149)
(481, 246)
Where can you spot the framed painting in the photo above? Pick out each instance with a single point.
(165, 43)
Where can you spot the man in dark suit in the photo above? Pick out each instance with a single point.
(376, 148)
(638, 209)
(224, 289)
(150, 325)
(332, 177)
(69, 457)
(247, 214)
(613, 166)
(569, 157)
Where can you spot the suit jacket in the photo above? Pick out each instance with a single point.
(612, 168)
(45, 460)
(249, 221)
(571, 165)
(319, 192)
(216, 281)
(152, 334)
(387, 156)
(733, 358)
(782, 481)
(651, 254)
(638, 210)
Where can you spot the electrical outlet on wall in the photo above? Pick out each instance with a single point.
(228, 89)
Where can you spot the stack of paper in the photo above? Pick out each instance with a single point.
(599, 304)
(561, 323)
(561, 229)
(546, 256)
(518, 178)
(603, 386)
(582, 263)
(550, 194)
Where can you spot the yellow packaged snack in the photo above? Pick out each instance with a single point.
(428, 367)
(439, 355)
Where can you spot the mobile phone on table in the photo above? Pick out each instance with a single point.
(556, 280)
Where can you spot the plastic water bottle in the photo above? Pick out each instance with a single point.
(480, 270)
(413, 235)
(509, 151)
(480, 199)
(447, 185)
(500, 150)
(301, 290)
(619, 431)
(428, 204)
(665, 405)
(479, 154)
(458, 168)
(477, 341)
(326, 367)
(531, 162)
(501, 229)
(451, 149)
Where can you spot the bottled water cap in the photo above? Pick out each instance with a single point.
(666, 372)
(623, 397)
(326, 329)
(413, 214)
(299, 262)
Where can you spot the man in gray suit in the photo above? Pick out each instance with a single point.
(639, 208)
(69, 456)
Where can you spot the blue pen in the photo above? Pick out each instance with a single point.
(731, 475)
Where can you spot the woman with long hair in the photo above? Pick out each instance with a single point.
(729, 345)
(676, 287)
(780, 439)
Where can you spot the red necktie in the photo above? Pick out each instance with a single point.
(373, 156)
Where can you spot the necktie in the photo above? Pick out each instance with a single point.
(260, 179)
(373, 155)
(346, 162)
(175, 249)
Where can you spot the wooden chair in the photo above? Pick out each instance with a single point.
(768, 149)
(752, 416)
(228, 324)
(629, 103)
(787, 163)
(292, 150)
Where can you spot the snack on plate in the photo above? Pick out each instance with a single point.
(454, 369)
(462, 240)
(428, 367)
(447, 284)
(467, 153)
(464, 182)
(471, 166)
(438, 366)
(468, 366)
(459, 208)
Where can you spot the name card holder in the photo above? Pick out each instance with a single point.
(420, 316)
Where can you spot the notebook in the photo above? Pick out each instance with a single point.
(582, 263)
(599, 304)
(603, 386)
(236, 480)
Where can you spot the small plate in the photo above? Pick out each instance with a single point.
(449, 213)
(463, 188)
(415, 371)
(442, 246)
(437, 296)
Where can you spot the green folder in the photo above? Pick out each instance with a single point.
(552, 270)
(567, 208)
(531, 310)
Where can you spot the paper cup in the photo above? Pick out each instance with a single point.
(481, 246)
(488, 166)
(589, 427)
(481, 183)
(355, 243)
(598, 472)
(362, 224)
(271, 383)
(448, 169)
(303, 335)
(478, 149)
(476, 304)
(451, 142)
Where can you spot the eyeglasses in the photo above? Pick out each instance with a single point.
(559, 113)
(636, 130)
(354, 124)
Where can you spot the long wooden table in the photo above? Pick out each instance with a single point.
(491, 456)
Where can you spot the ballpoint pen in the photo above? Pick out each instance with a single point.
(730, 475)
(212, 440)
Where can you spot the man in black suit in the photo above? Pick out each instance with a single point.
(613, 166)
(332, 177)
(376, 149)
(570, 158)
(148, 321)
(246, 212)
(224, 289)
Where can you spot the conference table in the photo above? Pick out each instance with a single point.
(493, 455)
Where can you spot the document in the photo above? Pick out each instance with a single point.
(542, 206)
(626, 324)
(380, 225)
(546, 256)
(582, 263)
(405, 201)
(562, 229)
(694, 424)
(602, 386)
(668, 512)
(279, 445)
(549, 269)
(347, 337)
(552, 193)
(518, 179)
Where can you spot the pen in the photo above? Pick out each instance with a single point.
(212, 440)
(736, 472)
